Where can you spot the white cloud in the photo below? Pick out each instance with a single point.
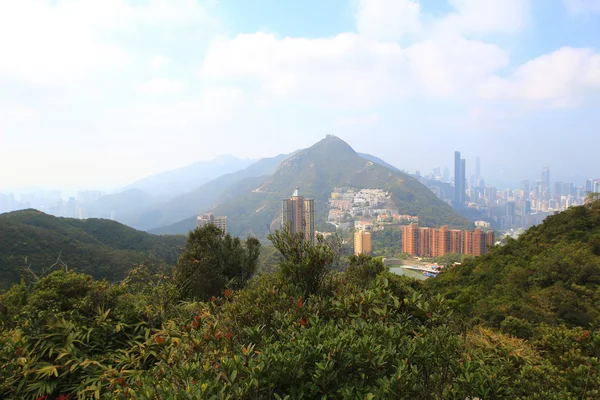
(213, 107)
(387, 20)
(583, 6)
(164, 86)
(560, 79)
(63, 41)
(487, 16)
(11, 116)
(452, 65)
(159, 62)
(342, 71)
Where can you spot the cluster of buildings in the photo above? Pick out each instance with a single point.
(207, 218)
(506, 209)
(348, 204)
(51, 202)
(430, 242)
(298, 214)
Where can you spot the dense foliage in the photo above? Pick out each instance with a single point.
(101, 248)
(213, 261)
(550, 274)
(360, 334)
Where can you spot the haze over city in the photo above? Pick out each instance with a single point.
(97, 94)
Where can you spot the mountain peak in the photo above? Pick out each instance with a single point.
(332, 144)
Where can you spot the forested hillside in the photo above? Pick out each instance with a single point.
(493, 328)
(550, 274)
(101, 248)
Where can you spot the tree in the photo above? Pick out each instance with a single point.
(363, 269)
(304, 263)
(212, 261)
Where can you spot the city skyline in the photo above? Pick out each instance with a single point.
(109, 92)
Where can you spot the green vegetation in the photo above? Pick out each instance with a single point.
(101, 248)
(387, 243)
(213, 261)
(307, 331)
(549, 275)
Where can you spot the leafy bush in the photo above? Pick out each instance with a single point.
(305, 331)
(211, 261)
(303, 263)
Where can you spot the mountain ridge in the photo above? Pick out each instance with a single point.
(99, 247)
(329, 163)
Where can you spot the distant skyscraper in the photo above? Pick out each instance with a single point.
(477, 168)
(589, 185)
(526, 189)
(459, 180)
(298, 214)
(546, 182)
(558, 190)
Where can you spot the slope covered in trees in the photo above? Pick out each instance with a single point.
(101, 248)
(301, 331)
(549, 275)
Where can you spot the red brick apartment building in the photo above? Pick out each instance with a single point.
(430, 242)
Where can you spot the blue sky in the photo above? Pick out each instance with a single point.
(99, 93)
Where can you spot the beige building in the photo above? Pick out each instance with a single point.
(207, 218)
(298, 214)
(362, 243)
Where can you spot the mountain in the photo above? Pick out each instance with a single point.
(126, 206)
(101, 248)
(549, 275)
(378, 160)
(169, 184)
(317, 170)
(206, 196)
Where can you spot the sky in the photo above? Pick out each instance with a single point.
(99, 93)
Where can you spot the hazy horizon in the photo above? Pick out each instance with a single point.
(98, 94)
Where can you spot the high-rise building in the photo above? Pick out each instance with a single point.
(362, 243)
(410, 238)
(545, 183)
(425, 239)
(429, 242)
(456, 241)
(558, 190)
(589, 185)
(459, 180)
(511, 209)
(298, 215)
(208, 218)
(221, 223)
(441, 242)
(477, 168)
(526, 189)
